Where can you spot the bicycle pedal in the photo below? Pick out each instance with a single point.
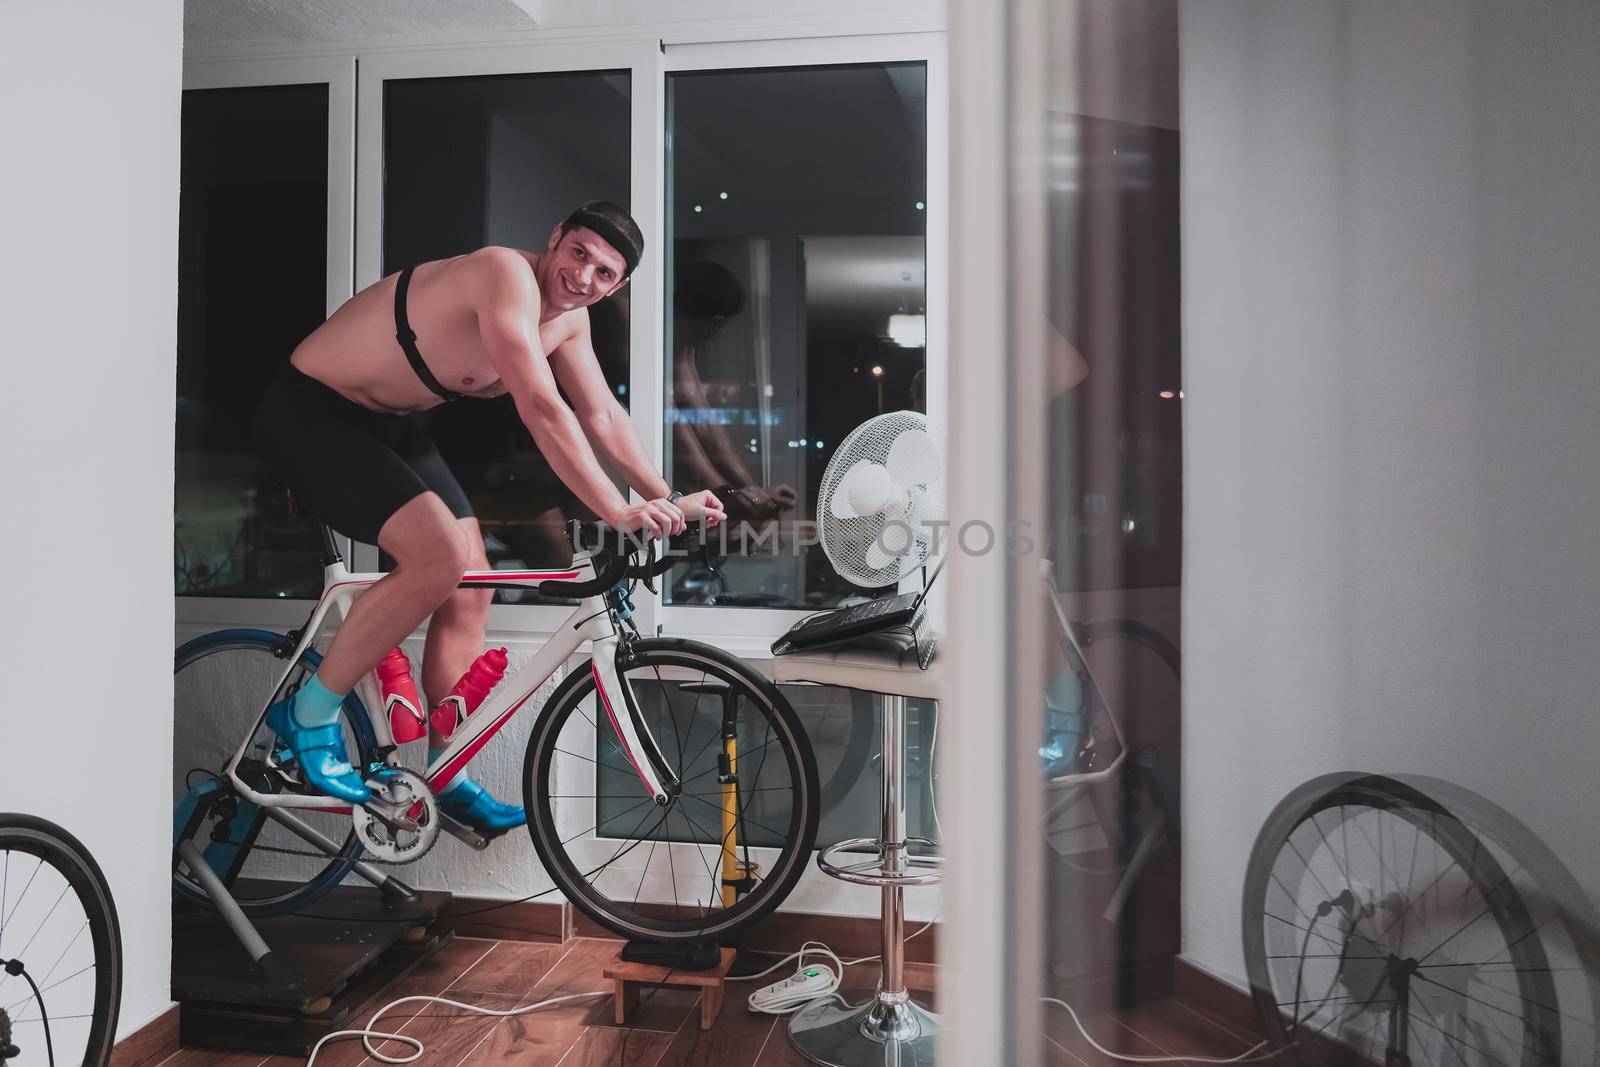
(467, 835)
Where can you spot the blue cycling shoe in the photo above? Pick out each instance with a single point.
(468, 802)
(320, 752)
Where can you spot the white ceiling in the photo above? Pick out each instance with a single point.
(214, 24)
(219, 25)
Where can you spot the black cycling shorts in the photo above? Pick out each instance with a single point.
(351, 467)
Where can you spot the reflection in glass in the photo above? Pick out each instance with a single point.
(252, 281)
(797, 227)
(1110, 755)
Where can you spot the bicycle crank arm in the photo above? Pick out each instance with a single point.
(388, 815)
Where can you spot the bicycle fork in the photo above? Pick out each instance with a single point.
(638, 744)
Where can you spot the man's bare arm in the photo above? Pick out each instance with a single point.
(507, 306)
(602, 417)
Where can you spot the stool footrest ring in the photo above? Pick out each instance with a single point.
(864, 861)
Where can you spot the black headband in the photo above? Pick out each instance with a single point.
(609, 232)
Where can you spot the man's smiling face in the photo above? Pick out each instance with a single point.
(581, 268)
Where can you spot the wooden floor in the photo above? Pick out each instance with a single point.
(665, 1030)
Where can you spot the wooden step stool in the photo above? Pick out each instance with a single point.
(628, 977)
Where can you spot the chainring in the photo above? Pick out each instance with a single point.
(404, 796)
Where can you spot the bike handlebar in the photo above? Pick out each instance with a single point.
(617, 549)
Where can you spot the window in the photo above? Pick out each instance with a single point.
(797, 224)
(252, 256)
(501, 160)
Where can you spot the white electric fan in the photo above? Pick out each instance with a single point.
(881, 505)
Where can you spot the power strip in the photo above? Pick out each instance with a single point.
(807, 984)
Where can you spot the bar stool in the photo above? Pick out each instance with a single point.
(888, 1027)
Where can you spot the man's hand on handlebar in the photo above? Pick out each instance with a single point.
(658, 518)
(703, 505)
(664, 518)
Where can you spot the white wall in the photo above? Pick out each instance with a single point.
(88, 299)
(1390, 225)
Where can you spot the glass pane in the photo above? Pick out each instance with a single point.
(1109, 760)
(797, 293)
(502, 160)
(252, 263)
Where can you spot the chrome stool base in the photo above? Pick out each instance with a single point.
(882, 1031)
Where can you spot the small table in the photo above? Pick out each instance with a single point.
(628, 977)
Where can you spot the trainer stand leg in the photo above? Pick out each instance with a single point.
(393, 888)
(888, 1028)
(267, 965)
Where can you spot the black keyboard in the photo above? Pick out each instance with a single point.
(833, 626)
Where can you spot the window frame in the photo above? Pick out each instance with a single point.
(355, 184)
(750, 632)
(338, 73)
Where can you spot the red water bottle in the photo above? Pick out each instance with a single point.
(465, 696)
(400, 700)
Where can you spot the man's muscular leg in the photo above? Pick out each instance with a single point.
(429, 554)
(455, 639)
(455, 636)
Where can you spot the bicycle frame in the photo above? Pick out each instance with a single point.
(591, 622)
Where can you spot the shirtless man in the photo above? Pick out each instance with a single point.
(334, 426)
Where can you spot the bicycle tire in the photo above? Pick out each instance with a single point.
(279, 647)
(1146, 769)
(55, 846)
(568, 872)
(1343, 794)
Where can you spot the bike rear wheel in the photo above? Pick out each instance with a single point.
(58, 926)
(655, 873)
(222, 681)
(1378, 921)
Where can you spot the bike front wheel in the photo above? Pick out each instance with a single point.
(747, 801)
(59, 933)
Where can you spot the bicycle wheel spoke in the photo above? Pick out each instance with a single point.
(20, 899)
(699, 851)
(757, 822)
(1414, 900)
(713, 769)
(5, 887)
(1486, 909)
(1464, 995)
(1328, 845)
(1452, 1041)
(1311, 930)
(608, 738)
(629, 841)
(1416, 843)
(672, 713)
(45, 989)
(618, 815)
(64, 952)
(42, 922)
(646, 871)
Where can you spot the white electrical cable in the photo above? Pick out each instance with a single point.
(776, 999)
(370, 1032)
(1247, 1056)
